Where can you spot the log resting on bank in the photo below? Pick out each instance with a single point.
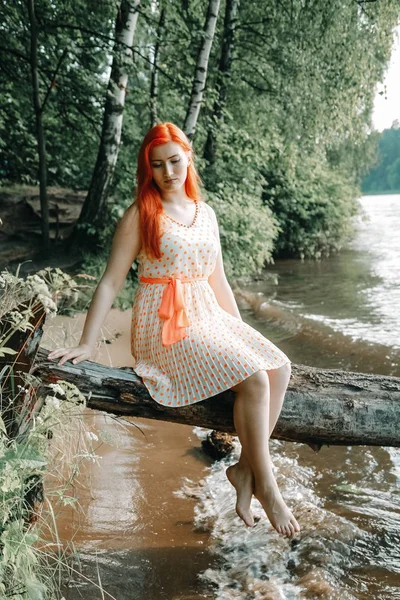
(322, 406)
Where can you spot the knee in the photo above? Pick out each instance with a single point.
(280, 376)
(286, 370)
(257, 383)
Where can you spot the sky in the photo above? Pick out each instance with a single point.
(387, 106)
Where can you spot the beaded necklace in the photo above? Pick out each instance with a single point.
(182, 224)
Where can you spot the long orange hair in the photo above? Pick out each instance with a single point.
(148, 197)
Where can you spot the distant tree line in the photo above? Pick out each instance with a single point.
(385, 174)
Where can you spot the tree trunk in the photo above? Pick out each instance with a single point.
(154, 72)
(224, 73)
(92, 209)
(44, 207)
(200, 77)
(322, 406)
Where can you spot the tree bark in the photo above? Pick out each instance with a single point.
(154, 71)
(322, 406)
(92, 210)
(38, 109)
(224, 73)
(200, 77)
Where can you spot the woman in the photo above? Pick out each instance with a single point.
(188, 339)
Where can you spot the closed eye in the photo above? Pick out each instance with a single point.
(173, 162)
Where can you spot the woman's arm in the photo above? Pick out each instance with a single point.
(125, 247)
(218, 280)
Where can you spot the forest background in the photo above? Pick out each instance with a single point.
(276, 97)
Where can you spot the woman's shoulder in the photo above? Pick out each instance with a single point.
(129, 221)
(211, 213)
(209, 208)
(212, 217)
(131, 214)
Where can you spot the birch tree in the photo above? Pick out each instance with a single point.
(154, 71)
(200, 76)
(113, 114)
(223, 77)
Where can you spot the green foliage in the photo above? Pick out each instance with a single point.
(73, 111)
(313, 204)
(247, 228)
(24, 572)
(385, 174)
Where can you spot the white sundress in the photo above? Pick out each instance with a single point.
(217, 350)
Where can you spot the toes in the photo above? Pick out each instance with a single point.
(295, 525)
(291, 528)
(282, 530)
(288, 529)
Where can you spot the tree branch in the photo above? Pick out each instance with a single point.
(52, 81)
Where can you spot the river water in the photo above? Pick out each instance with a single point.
(157, 518)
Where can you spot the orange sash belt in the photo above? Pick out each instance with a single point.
(172, 307)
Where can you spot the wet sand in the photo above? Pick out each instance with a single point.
(129, 520)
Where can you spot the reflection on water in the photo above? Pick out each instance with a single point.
(132, 532)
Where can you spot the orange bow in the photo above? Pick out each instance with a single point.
(172, 307)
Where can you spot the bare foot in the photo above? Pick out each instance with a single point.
(242, 480)
(278, 513)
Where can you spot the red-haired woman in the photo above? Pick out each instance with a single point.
(188, 339)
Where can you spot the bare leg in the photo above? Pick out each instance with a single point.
(240, 475)
(278, 383)
(251, 416)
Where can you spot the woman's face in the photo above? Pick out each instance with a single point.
(169, 163)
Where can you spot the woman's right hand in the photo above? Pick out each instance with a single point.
(75, 353)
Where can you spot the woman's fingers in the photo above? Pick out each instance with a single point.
(64, 353)
(77, 353)
(67, 356)
(79, 358)
(55, 353)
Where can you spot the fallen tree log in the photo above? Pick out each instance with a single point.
(322, 406)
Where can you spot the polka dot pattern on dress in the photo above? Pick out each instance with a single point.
(220, 350)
